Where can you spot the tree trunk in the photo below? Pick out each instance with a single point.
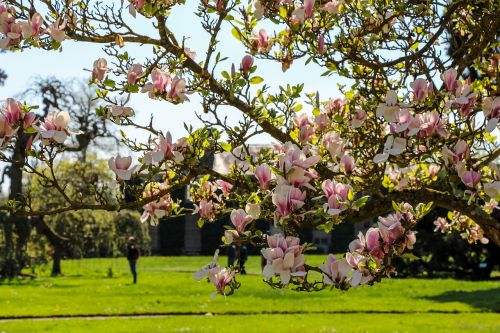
(17, 229)
(56, 261)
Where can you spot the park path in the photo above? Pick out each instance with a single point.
(187, 314)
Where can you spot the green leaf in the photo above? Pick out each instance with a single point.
(350, 195)
(410, 256)
(226, 146)
(200, 223)
(236, 33)
(109, 83)
(256, 80)
(361, 201)
(29, 130)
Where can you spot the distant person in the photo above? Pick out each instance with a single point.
(243, 258)
(231, 255)
(133, 256)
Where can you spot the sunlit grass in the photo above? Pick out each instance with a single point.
(166, 285)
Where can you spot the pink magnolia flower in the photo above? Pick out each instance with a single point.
(390, 109)
(334, 106)
(308, 7)
(393, 146)
(287, 199)
(337, 195)
(321, 44)
(230, 235)
(441, 224)
(6, 130)
(373, 243)
(449, 78)
(224, 186)
(390, 228)
(162, 151)
(56, 31)
(492, 189)
(261, 41)
(419, 87)
(471, 178)
(358, 119)
(297, 198)
(240, 219)
(134, 6)
(461, 151)
(405, 124)
(100, 69)
(491, 111)
(260, 10)
(348, 164)
(284, 258)
(334, 143)
(177, 90)
(12, 110)
(220, 277)
(322, 121)
(55, 128)
(206, 209)
(121, 167)
(332, 7)
(135, 72)
(202, 272)
(298, 177)
(431, 125)
(336, 271)
(157, 209)
(32, 28)
(246, 64)
(305, 125)
(410, 239)
(433, 170)
(264, 175)
(121, 111)
(293, 156)
(160, 79)
(29, 119)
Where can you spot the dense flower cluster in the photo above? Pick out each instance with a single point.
(14, 32)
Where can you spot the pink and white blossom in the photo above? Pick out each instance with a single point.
(284, 258)
(471, 178)
(261, 41)
(449, 78)
(100, 69)
(419, 87)
(121, 167)
(264, 175)
(135, 72)
(55, 128)
(390, 109)
(240, 219)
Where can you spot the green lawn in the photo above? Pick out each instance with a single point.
(166, 286)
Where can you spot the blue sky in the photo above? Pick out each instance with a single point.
(22, 67)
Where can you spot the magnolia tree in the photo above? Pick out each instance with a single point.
(408, 134)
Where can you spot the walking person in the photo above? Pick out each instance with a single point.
(231, 255)
(132, 256)
(243, 257)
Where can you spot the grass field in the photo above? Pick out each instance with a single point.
(167, 299)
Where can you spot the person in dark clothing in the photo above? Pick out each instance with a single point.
(231, 255)
(243, 257)
(132, 256)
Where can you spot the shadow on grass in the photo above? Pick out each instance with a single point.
(485, 300)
